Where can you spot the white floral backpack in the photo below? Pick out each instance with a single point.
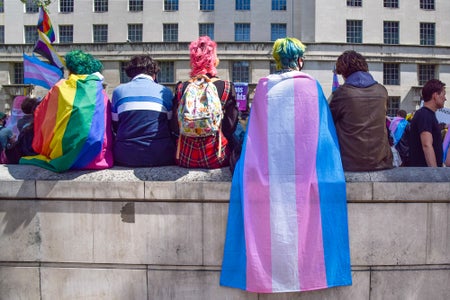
(200, 109)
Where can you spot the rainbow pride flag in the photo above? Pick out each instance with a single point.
(72, 126)
(287, 221)
(45, 25)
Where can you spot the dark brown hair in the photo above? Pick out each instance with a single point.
(29, 104)
(350, 62)
(142, 64)
(432, 86)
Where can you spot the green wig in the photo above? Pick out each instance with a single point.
(79, 62)
(286, 52)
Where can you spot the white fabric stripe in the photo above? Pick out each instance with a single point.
(136, 105)
(283, 207)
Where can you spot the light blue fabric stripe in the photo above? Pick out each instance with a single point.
(399, 131)
(234, 264)
(333, 200)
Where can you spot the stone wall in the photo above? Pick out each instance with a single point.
(158, 233)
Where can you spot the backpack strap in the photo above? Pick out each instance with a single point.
(223, 99)
(226, 91)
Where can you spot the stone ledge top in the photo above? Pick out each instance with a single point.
(178, 174)
(115, 174)
(173, 183)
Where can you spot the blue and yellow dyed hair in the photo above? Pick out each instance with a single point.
(79, 62)
(286, 52)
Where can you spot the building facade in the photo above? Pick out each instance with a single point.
(405, 42)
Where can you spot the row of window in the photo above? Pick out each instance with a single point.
(391, 32)
(240, 72)
(135, 32)
(424, 4)
(67, 6)
(391, 73)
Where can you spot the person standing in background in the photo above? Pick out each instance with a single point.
(425, 141)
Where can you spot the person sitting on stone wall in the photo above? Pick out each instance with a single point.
(211, 151)
(72, 124)
(359, 113)
(141, 110)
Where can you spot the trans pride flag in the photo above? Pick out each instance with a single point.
(397, 128)
(287, 221)
(72, 126)
(40, 73)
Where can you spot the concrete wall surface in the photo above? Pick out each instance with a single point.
(158, 233)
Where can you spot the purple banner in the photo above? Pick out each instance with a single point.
(241, 89)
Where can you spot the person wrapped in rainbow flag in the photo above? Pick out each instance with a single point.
(287, 220)
(72, 124)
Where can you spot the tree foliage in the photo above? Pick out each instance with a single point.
(43, 3)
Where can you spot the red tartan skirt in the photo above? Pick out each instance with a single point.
(203, 152)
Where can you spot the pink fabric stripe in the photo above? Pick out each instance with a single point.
(394, 124)
(256, 198)
(311, 256)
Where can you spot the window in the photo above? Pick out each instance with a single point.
(391, 3)
(427, 33)
(391, 74)
(354, 31)
(277, 31)
(242, 32)
(167, 73)
(123, 75)
(170, 32)
(31, 7)
(425, 73)
(31, 34)
(427, 4)
(135, 32)
(391, 32)
(100, 5)
(240, 72)
(393, 105)
(136, 5)
(66, 6)
(18, 73)
(170, 5)
(242, 4)
(66, 33)
(278, 4)
(206, 4)
(206, 29)
(2, 34)
(2, 4)
(354, 2)
(100, 33)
